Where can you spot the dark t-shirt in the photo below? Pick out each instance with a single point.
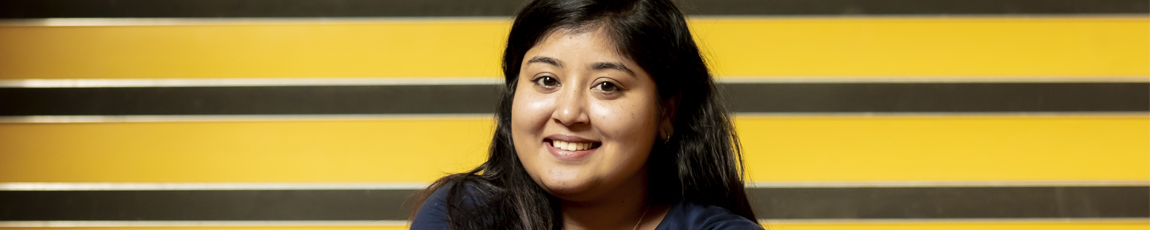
(683, 215)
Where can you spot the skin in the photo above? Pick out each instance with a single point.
(574, 83)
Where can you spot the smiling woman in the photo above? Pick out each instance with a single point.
(562, 98)
(608, 120)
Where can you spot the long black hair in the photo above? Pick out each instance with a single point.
(700, 163)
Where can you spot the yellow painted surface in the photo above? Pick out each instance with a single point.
(787, 47)
(946, 148)
(315, 151)
(230, 228)
(968, 47)
(777, 149)
(389, 49)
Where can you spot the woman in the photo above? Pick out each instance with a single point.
(608, 120)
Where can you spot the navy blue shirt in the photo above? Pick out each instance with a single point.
(683, 215)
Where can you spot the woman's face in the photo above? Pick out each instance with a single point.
(584, 117)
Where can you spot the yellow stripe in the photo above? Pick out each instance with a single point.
(227, 228)
(970, 47)
(777, 149)
(946, 148)
(322, 151)
(851, 47)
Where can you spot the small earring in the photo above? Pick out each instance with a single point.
(666, 136)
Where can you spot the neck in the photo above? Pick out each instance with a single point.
(621, 208)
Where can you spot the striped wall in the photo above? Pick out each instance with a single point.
(296, 114)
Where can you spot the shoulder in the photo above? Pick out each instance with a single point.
(685, 215)
(432, 214)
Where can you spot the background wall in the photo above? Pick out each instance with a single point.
(294, 114)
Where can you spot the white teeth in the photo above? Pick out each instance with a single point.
(559, 145)
(568, 146)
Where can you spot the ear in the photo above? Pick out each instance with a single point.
(670, 108)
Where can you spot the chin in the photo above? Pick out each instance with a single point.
(565, 182)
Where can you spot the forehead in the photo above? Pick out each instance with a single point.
(576, 44)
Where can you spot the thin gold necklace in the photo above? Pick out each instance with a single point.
(642, 216)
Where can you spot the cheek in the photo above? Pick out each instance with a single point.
(529, 113)
(631, 123)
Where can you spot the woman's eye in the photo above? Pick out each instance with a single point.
(546, 82)
(606, 87)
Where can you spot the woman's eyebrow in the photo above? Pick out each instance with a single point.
(547, 60)
(612, 65)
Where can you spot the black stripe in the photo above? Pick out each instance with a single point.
(939, 97)
(407, 99)
(771, 203)
(912, 7)
(439, 8)
(961, 202)
(205, 205)
(464, 99)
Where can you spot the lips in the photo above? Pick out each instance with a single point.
(570, 147)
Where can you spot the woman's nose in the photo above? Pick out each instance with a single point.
(571, 107)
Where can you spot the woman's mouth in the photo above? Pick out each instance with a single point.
(574, 146)
(571, 149)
